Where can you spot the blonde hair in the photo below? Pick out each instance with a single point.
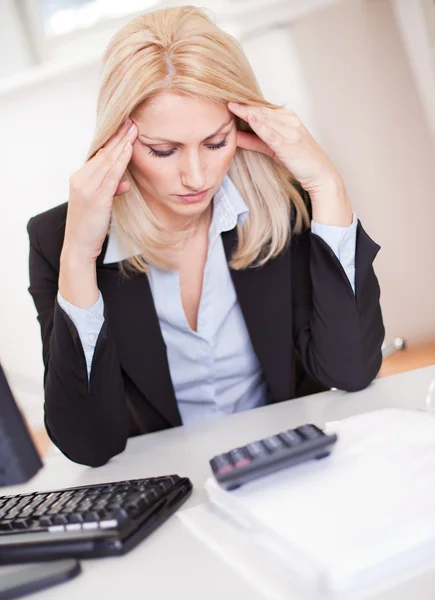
(180, 50)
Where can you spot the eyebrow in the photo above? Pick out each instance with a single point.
(181, 143)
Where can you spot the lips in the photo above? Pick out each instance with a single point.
(194, 197)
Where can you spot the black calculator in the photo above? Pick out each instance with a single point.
(291, 447)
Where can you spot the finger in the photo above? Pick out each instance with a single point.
(259, 118)
(113, 176)
(251, 141)
(110, 158)
(251, 113)
(277, 119)
(93, 163)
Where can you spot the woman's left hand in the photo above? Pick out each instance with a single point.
(280, 134)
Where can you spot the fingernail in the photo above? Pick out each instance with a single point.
(131, 128)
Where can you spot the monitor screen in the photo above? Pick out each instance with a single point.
(19, 459)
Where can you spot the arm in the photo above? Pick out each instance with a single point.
(342, 241)
(337, 333)
(88, 421)
(88, 322)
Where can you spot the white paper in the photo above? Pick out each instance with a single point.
(363, 515)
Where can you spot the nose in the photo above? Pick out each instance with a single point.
(193, 172)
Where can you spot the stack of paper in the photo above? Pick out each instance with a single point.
(361, 518)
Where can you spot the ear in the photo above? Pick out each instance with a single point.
(123, 187)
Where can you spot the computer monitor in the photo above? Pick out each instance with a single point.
(19, 462)
(19, 459)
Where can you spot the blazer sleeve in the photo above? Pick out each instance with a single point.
(87, 420)
(337, 334)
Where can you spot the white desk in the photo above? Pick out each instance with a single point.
(172, 563)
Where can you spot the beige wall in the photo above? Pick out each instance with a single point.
(371, 122)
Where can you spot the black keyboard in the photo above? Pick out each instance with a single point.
(262, 457)
(89, 521)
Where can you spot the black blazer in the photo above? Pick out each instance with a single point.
(308, 329)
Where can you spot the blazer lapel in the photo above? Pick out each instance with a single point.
(129, 307)
(264, 295)
(266, 308)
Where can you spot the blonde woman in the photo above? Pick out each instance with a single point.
(208, 260)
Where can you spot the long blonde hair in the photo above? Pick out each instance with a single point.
(180, 50)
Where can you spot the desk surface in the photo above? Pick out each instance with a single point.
(172, 562)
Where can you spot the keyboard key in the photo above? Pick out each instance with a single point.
(166, 485)
(75, 518)
(120, 514)
(20, 524)
(90, 517)
(157, 492)
(6, 508)
(174, 479)
(73, 527)
(56, 528)
(108, 524)
(89, 526)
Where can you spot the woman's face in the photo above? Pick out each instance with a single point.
(184, 146)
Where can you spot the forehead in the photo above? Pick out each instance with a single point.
(180, 117)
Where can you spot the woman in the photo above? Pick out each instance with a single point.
(182, 280)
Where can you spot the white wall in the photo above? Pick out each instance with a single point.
(14, 51)
(46, 129)
(354, 90)
(374, 127)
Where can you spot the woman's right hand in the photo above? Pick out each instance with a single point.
(92, 189)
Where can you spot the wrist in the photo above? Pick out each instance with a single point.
(73, 257)
(331, 205)
(78, 280)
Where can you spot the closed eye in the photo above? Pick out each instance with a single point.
(166, 153)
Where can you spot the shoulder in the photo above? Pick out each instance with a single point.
(46, 232)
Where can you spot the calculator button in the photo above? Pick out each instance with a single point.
(242, 463)
(273, 443)
(255, 449)
(310, 432)
(221, 464)
(291, 437)
(225, 469)
(239, 457)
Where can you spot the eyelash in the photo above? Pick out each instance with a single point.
(171, 152)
